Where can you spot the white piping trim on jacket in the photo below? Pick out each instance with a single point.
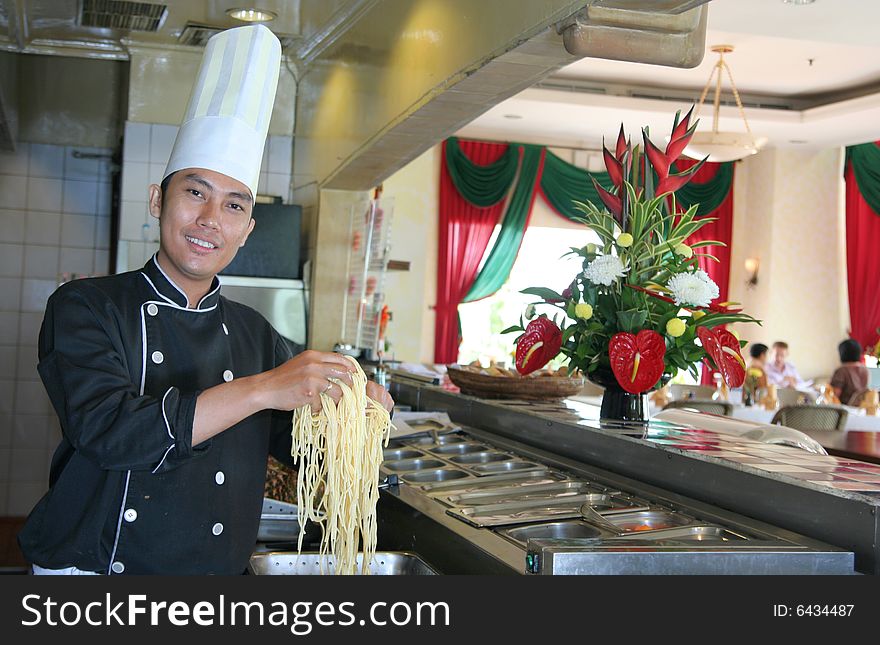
(119, 524)
(170, 448)
(143, 349)
(209, 294)
(170, 303)
(159, 293)
(173, 284)
(168, 429)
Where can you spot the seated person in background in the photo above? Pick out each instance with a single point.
(849, 380)
(758, 352)
(779, 371)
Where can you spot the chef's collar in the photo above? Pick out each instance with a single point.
(169, 291)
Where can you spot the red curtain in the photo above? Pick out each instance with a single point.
(862, 263)
(465, 231)
(722, 230)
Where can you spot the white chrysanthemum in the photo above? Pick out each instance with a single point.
(605, 269)
(693, 289)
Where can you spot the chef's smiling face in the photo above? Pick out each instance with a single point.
(204, 218)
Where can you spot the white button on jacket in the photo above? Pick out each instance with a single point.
(152, 309)
(158, 357)
(117, 567)
(219, 477)
(217, 529)
(130, 515)
(227, 375)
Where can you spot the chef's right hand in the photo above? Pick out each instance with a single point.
(301, 380)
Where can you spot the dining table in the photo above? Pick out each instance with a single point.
(850, 444)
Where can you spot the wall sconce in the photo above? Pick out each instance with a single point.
(752, 265)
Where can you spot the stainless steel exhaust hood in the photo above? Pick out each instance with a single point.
(672, 32)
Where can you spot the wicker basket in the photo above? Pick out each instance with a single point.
(510, 387)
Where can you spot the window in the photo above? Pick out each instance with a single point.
(539, 264)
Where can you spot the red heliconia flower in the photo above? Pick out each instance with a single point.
(613, 166)
(612, 202)
(541, 342)
(658, 159)
(622, 145)
(672, 183)
(723, 347)
(680, 137)
(637, 359)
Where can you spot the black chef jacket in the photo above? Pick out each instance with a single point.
(123, 360)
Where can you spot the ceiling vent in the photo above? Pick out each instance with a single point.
(121, 14)
(196, 35)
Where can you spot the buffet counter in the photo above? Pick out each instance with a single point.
(669, 497)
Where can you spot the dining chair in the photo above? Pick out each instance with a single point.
(811, 417)
(721, 408)
(791, 396)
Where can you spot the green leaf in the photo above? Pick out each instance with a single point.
(512, 329)
(631, 320)
(542, 292)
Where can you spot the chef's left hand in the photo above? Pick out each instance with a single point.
(380, 395)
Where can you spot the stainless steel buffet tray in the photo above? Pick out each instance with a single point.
(387, 563)
(539, 510)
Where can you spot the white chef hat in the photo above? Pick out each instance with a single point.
(228, 114)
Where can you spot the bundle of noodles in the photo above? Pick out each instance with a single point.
(340, 447)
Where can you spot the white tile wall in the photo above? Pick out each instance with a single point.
(55, 218)
(145, 153)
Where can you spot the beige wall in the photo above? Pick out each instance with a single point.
(789, 213)
(71, 101)
(162, 79)
(411, 295)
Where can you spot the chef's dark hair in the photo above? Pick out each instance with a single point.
(165, 182)
(756, 350)
(850, 351)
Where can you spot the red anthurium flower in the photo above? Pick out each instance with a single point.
(612, 202)
(723, 348)
(538, 345)
(614, 167)
(637, 359)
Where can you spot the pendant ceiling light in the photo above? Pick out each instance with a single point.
(723, 146)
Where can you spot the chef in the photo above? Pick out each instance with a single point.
(170, 396)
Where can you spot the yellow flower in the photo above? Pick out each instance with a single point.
(675, 327)
(684, 250)
(590, 248)
(697, 314)
(583, 311)
(624, 240)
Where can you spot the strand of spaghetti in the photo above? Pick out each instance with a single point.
(339, 451)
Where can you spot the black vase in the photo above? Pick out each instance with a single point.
(617, 403)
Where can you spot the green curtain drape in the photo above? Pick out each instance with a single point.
(562, 184)
(709, 195)
(865, 160)
(498, 264)
(482, 186)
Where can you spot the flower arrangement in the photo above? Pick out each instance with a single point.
(641, 308)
